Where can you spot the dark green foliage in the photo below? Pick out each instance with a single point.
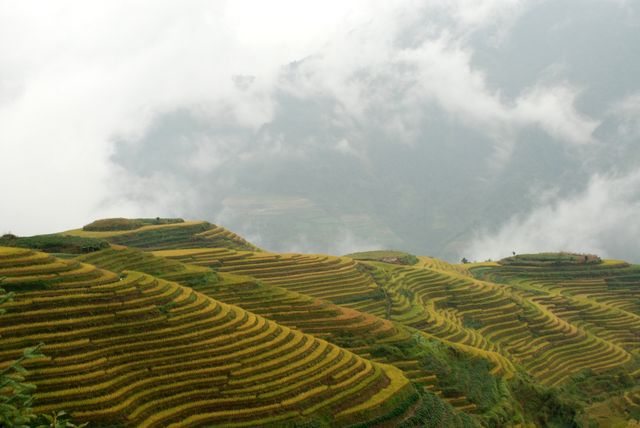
(397, 412)
(499, 402)
(113, 224)
(542, 406)
(458, 374)
(4, 297)
(59, 419)
(589, 387)
(194, 280)
(55, 243)
(409, 294)
(308, 423)
(470, 322)
(27, 286)
(435, 413)
(167, 307)
(387, 351)
(16, 397)
(15, 392)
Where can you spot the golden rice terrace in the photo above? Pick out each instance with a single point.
(166, 322)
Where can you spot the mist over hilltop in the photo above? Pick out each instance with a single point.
(453, 128)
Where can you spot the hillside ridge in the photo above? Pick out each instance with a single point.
(530, 340)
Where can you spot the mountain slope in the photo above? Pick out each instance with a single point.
(360, 332)
(149, 352)
(491, 317)
(185, 234)
(532, 340)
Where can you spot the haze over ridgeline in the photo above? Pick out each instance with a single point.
(451, 128)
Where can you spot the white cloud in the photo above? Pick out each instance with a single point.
(629, 107)
(552, 108)
(627, 114)
(601, 220)
(366, 70)
(472, 15)
(346, 148)
(75, 75)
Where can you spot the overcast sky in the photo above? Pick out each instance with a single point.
(452, 128)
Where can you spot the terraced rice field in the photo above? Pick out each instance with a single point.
(550, 336)
(504, 325)
(338, 279)
(190, 234)
(188, 324)
(612, 283)
(310, 314)
(357, 331)
(137, 350)
(602, 299)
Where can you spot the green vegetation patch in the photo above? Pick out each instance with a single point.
(551, 259)
(25, 286)
(55, 243)
(499, 402)
(435, 412)
(394, 257)
(112, 224)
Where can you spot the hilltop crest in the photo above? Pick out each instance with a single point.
(386, 256)
(551, 259)
(120, 223)
(162, 234)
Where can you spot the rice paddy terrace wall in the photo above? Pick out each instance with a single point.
(191, 288)
(137, 350)
(600, 297)
(360, 332)
(553, 336)
(338, 279)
